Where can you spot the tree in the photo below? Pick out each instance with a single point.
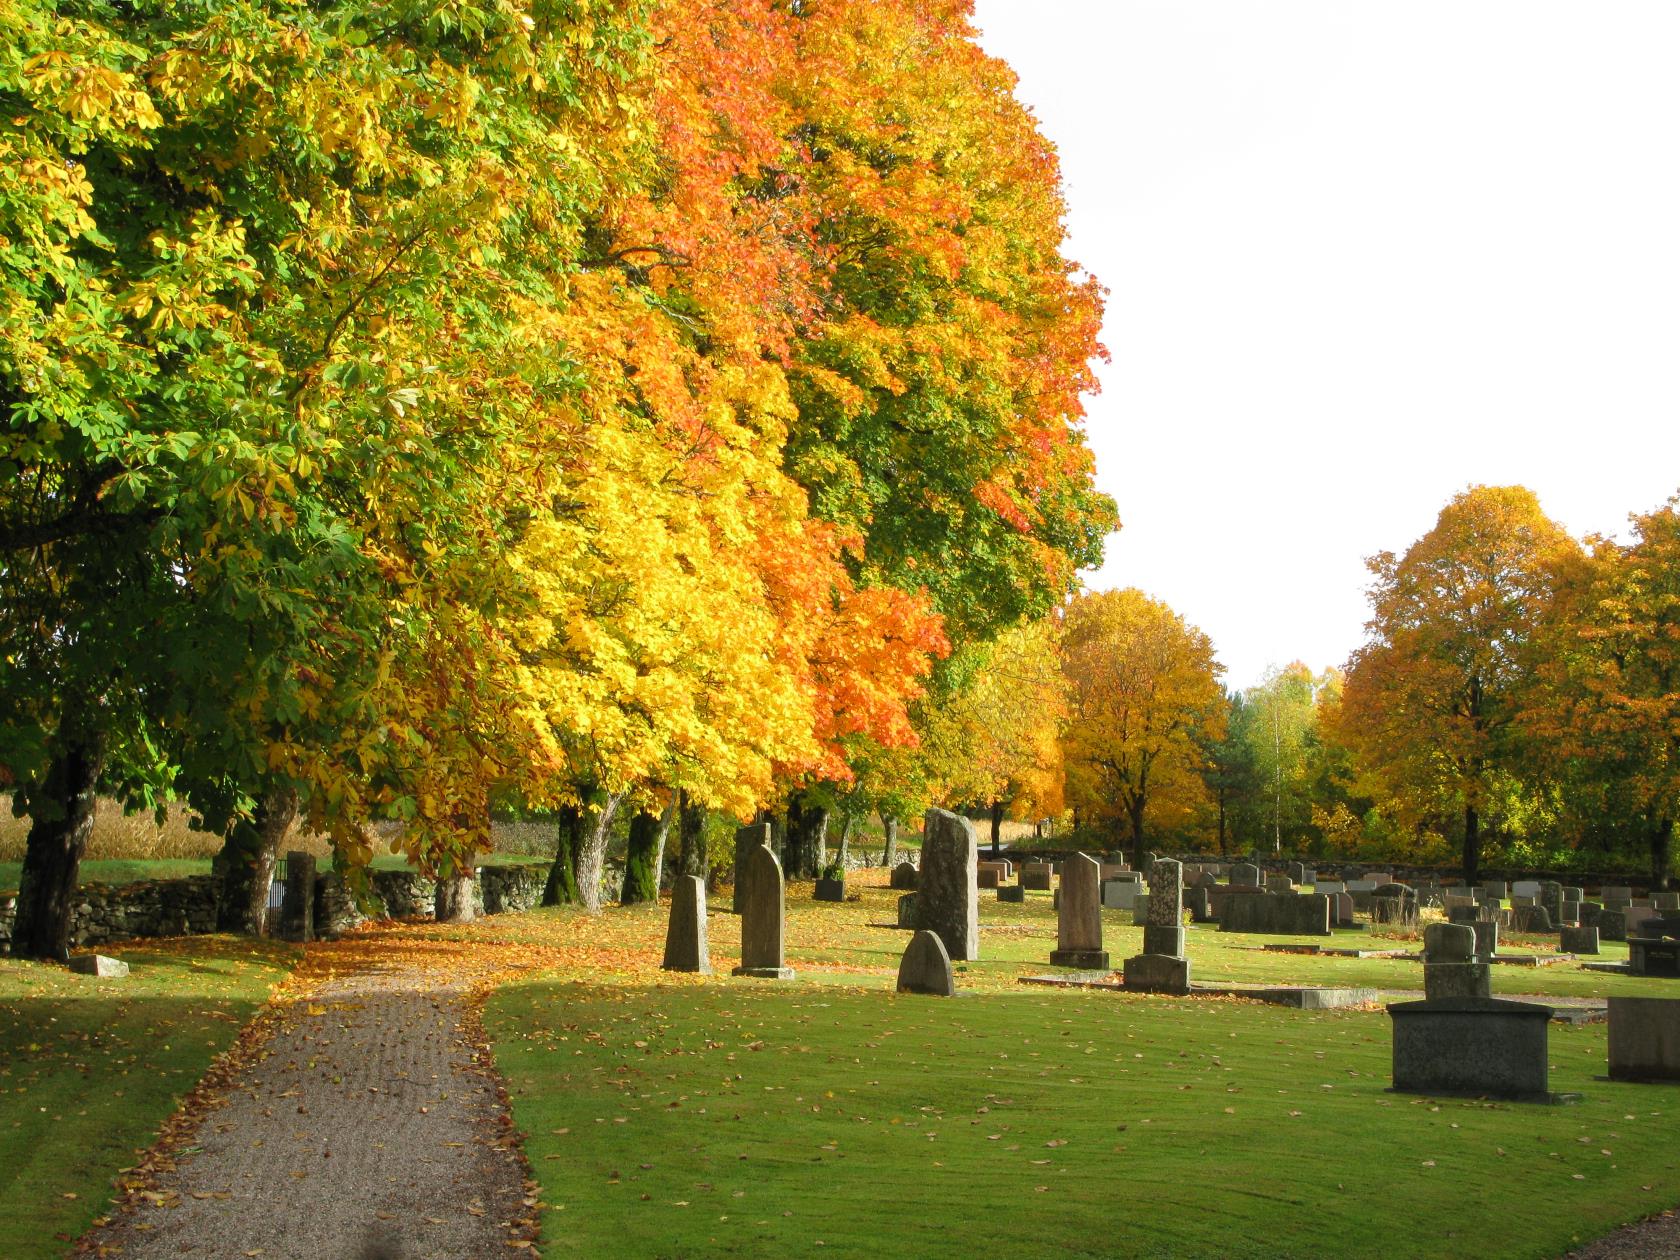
(1430, 701)
(1143, 701)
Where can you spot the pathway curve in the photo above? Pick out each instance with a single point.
(359, 1122)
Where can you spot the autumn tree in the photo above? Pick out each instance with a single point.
(1143, 701)
(1430, 701)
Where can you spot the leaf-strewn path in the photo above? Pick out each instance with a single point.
(357, 1122)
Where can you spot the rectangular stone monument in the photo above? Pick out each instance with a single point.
(947, 900)
(1120, 894)
(1299, 873)
(100, 965)
(1036, 876)
(1579, 940)
(1487, 939)
(746, 840)
(685, 930)
(763, 917)
(297, 911)
(1079, 917)
(1012, 893)
(1644, 1039)
(907, 910)
(1526, 888)
(1277, 914)
(1245, 875)
(1495, 888)
(1330, 886)
(1341, 909)
(1486, 1047)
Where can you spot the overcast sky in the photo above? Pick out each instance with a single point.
(1361, 255)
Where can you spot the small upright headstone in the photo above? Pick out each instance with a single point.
(763, 917)
(1299, 874)
(1245, 875)
(1079, 917)
(297, 912)
(925, 967)
(1487, 939)
(907, 910)
(904, 877)
(1450, 966)
(746, 840)
(685, 931)
(947, 900)
(1036, 876)
(1580, 940)
(1162, 967)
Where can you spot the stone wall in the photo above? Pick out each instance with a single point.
(187, 907)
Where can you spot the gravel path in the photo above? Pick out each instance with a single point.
(362, 1129)
(1655, 1239)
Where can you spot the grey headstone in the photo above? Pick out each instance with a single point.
(685, 931)
(1036, 876)
(1644, 1039)
(1487, 939)
(1449, 942)
(297, 911)
(1158, 938)
(1079, 916)
(907, 910)
(925, 967)
(1580, 940)
(1481, 1046)
(1166, 894)
(1157, 973)
(98, 965)
(1245, 875)
(947, 900)
(747, 839)
(904, 876)
(763, 917)
(1341, 908)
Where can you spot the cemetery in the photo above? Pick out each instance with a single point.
(687, 1071)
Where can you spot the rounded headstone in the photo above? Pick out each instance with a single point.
(1449, 942)
(926, 967)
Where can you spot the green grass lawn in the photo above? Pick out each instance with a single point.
(119, 870)
(89, 1069)
(701, 1117)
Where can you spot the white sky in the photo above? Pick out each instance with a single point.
(1361, 255)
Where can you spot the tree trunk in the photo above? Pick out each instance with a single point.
(246, 862)
(691, 835)
(592, 857)
(1661, 837)
(889, 850)
(844, 853)
(665, 817)
(819, 843)
(1222, 849)
(562, 885)
(997, 827)
(62, 822)
(1472, 844)
(641, 860)
(1134, 812)
(805, 830)
(453, 901)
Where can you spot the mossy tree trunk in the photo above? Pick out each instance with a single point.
(592, 856)
(691, 835)
(247, 860)
(641, 859)
(561, 889)
(889, 850)
(61, 809)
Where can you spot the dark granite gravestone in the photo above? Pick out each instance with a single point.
(1579, 940)
(1277, 914)
(1654, 950)
(1162, 967)
(1079, 917)
(1451, 968)
(1012, 892)
(1487, 1047)
(925, 967)
(1245, 875)
(1644, 1039)
(947, 900)
(763, 917)
(746, 840)
(904, 877)
(685, 931)
(907, 910)
(1036, 876)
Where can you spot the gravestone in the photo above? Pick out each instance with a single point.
(988, 877)
(1140, 910)
(1330, 886)
(947, 900)
(98, 965)
(297, 912)
(763, 917)
(1163, 929)
(746, 840)
(1036, 876)
(1199, 903)
(1644, 1039)
(1526, 888)
(1667, 901)
(1612, 926)
(1495, 888)
(903, 877)
(1531, 919)
(907, 910)
(1487, 939)
(1120, 894)
(1579, 940)
(1654, 950)
(1245, 875)
(925, 967)
(1299, 874)
(1277, 914)
(685, 931)
(1079, 917)
(1279, 884)
(1167, 971)
(1485, 1047)
(1341, 909)
(1451, 968)
(1012, 892)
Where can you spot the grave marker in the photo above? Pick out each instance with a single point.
(685, 931)
(763, 917)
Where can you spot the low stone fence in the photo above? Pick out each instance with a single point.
(189, 907)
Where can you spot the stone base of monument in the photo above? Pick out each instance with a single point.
(1157, 973)
(1083, 959)
(1480, 1047)
(98, 965)
(829, 890)
(764, 973)
(1012, 892)
(1644, 1039)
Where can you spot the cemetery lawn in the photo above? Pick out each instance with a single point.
(679, 1116)
(90, 1069)
(118, 870)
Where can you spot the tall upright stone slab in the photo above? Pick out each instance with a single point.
(1079, 917)
(763, 917)
(947, 897)
(1162, 967)
(297, 911)
(685, 931)
(746, 840)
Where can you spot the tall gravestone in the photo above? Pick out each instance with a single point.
(947, 897)
(746, 840)
(1162, 967)
(763, 917)
(685, 931)
(1079, 917)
